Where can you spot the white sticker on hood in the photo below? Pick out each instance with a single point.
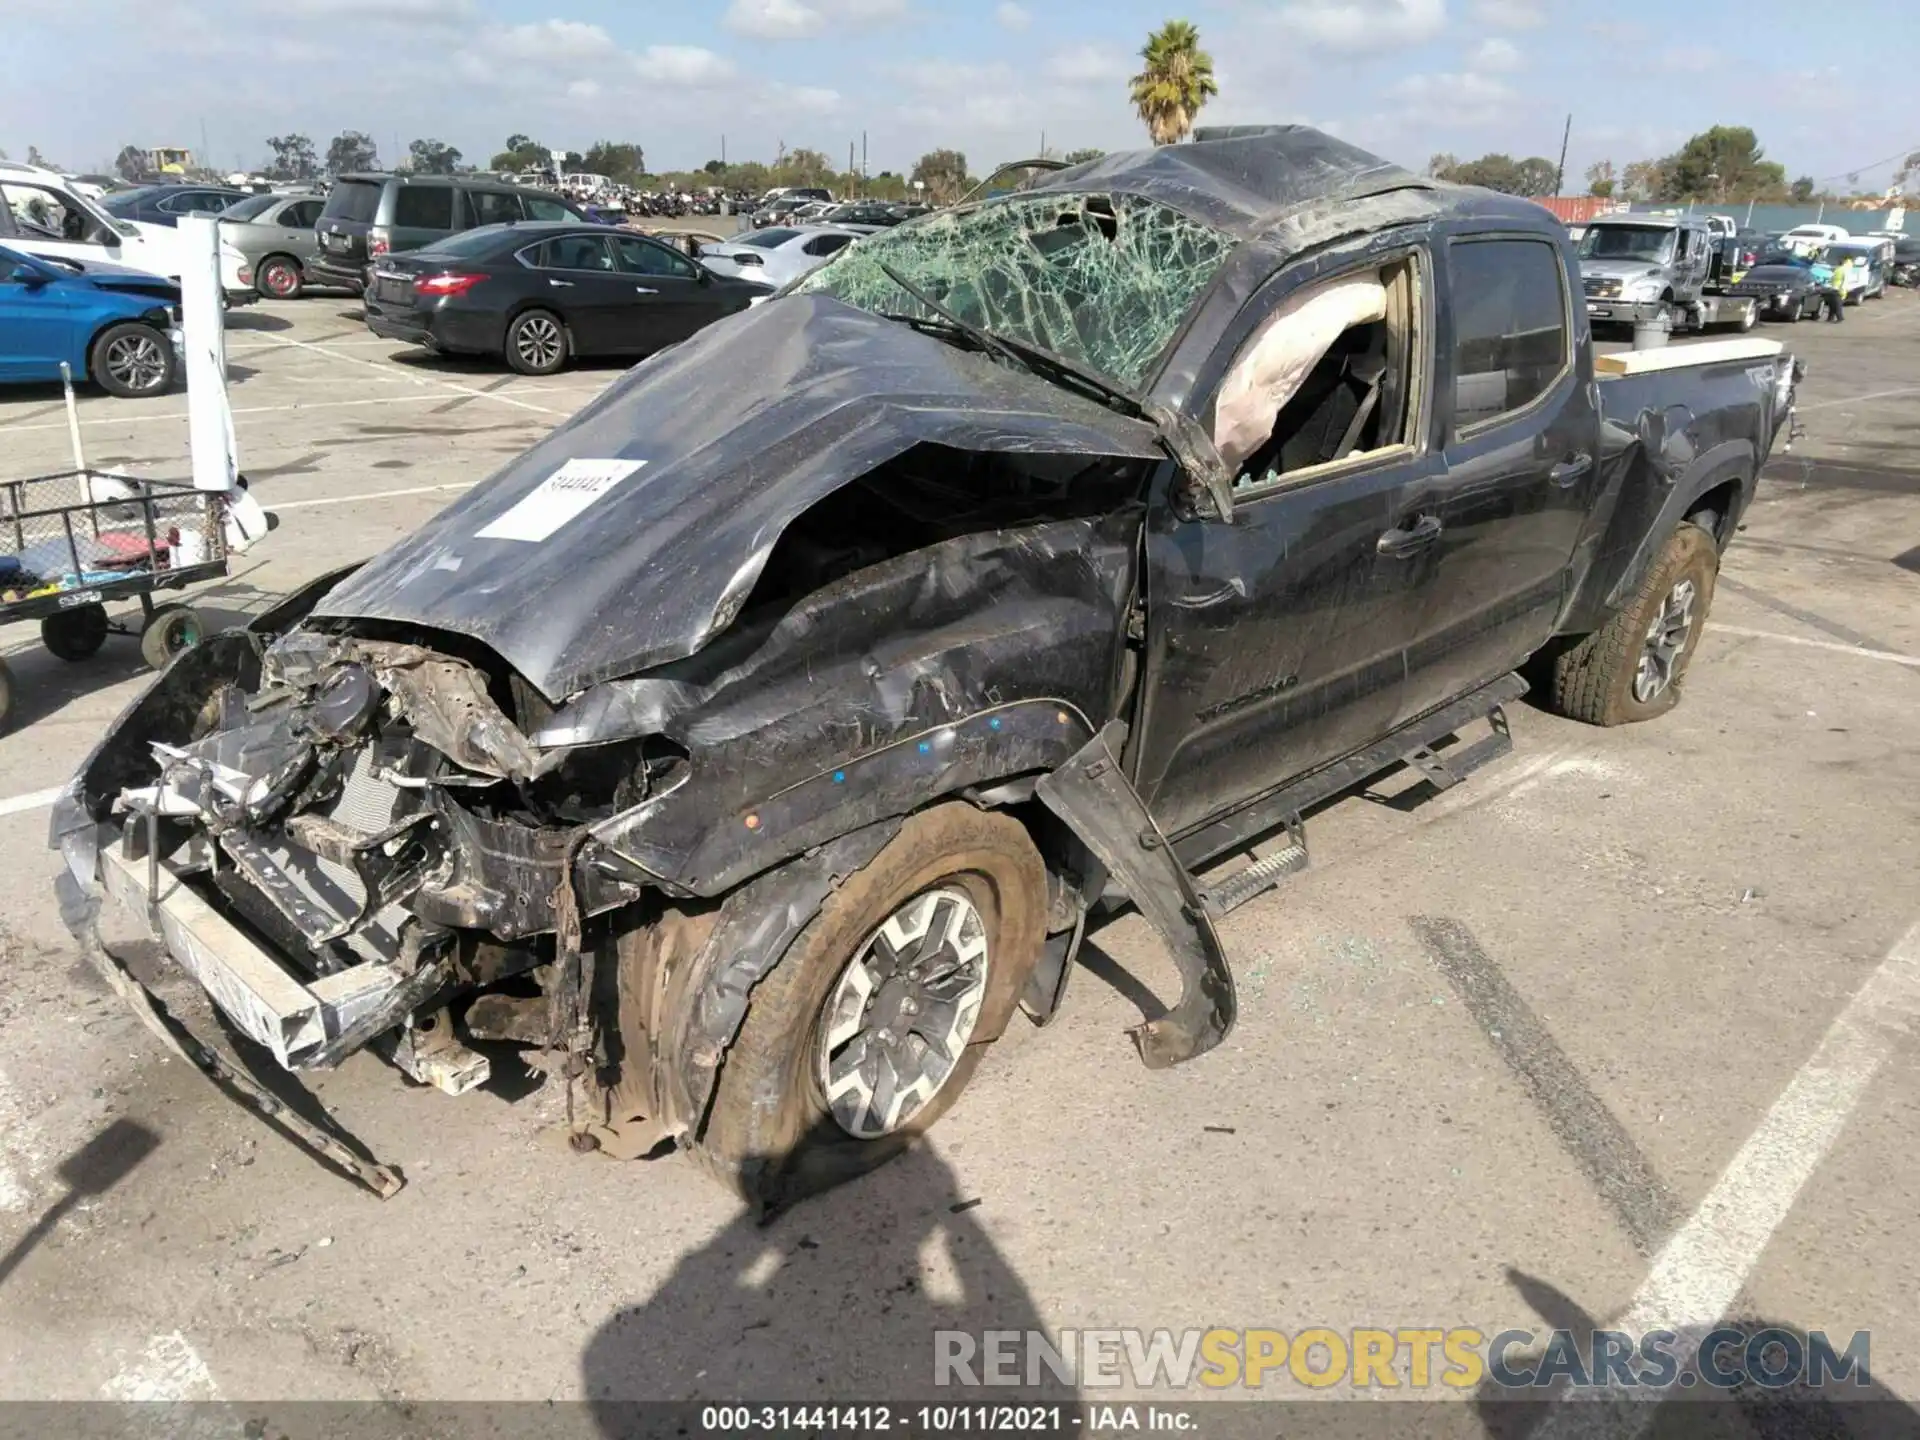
(559, 498)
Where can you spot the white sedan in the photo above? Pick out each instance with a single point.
(777, 254)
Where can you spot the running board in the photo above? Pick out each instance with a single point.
(1238, 830)
(1445, 769)
(1259, 877)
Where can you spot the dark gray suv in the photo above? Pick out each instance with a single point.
(368, 216)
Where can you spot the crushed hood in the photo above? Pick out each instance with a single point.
(633, 533)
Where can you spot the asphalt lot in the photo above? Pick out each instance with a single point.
(1617, 1032)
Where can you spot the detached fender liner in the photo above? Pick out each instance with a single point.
(1092, 794)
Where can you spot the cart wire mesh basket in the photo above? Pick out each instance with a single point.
(82, 537)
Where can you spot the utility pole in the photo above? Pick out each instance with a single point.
(863, 155)
(723, 152)
(206, 150)
(1560, 170)
(852, 174)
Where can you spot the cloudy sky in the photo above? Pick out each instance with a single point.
(1403, 77)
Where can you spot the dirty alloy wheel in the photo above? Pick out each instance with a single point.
(1632, 667)
(537, 343)
(74, 634)
(280, 278)
(871, 1025)
(131, 359)
(169, 630)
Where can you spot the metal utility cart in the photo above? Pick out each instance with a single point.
(72, 542)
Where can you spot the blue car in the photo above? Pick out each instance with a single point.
(111, 325)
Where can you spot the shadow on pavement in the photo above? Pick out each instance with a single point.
(1851, 1408)
(839, 1297)
(92, 1170)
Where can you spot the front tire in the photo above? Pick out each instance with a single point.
(537, 343)
(131, 359)
(168, 631)
(871, 1025)
(1632, 667)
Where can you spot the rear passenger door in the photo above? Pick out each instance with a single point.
(584, 286)
(423, 212)
(671, 302)
(1520, 427)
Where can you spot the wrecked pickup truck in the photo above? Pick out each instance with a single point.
(757, 744)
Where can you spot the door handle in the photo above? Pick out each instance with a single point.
(645, 290)
(1405, 540)
(561, 284)
(1570, 469)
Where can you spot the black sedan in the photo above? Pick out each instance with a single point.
(1783, 286)
(540, 294)
(165, 204)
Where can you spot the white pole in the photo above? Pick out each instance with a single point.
(204, 340)
(73, 422)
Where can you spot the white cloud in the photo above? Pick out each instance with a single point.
(1494, 56)
(1087, 65)
(1011, 16)
(391, 12)
(584, 90)
(548, 41)
(773, 19)
(689, 66)
(1510, 14)
(1465, 99)
(1690, 59)
(800, 20)
(1356, 25)
(811, 99)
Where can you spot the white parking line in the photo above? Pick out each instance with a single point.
(240, 410)
(350, 499)
(1892, 657)
(428, 381)
(36, 800)
(169, 1369)
(1700, 1271)
(1858, 399)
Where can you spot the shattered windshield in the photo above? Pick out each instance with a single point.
(1100, 280)
(1627, 242)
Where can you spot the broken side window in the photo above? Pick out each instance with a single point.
(1326, 379)
(1101, 280)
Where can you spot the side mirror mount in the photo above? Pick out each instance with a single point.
(1207, 483)
(31, 276)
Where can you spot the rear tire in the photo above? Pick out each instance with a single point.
(280, 277)
(975, 888)
(131, 359)
(1632, 667)
(75, 634)
(537, 342)
(6, 697)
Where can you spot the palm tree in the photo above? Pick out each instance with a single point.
(1175, 82)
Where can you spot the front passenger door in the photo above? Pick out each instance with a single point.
(670, 299)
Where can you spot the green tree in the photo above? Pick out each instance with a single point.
(1442, 165)
(1802, 190)
(431, 157)
(522, 152)
(1600, 179)
(1081, 157)
(619, 162)
(804, 167)
(293, 158)
(351, 150)
(1532, 176)
(1175, 80)
(1724, 163)
(715, 168)
(944, 172)
(131, 162)
(1643, 179)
